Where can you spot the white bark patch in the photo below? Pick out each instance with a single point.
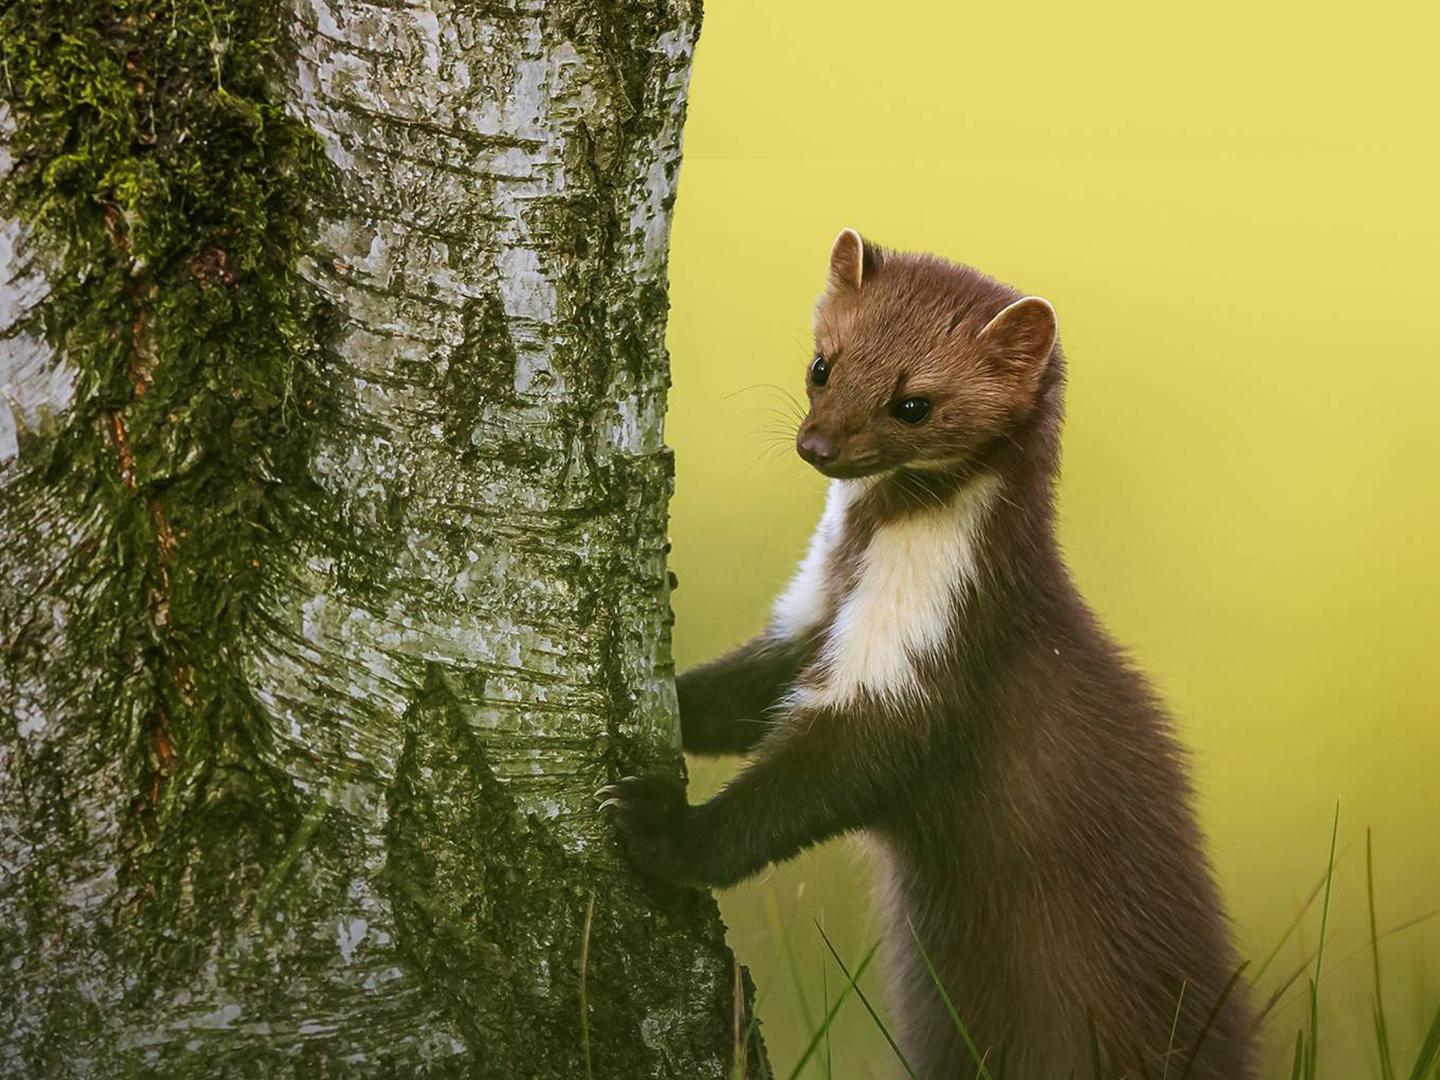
(36, 387)
(650, 221)
(527, 292)
(348, 935)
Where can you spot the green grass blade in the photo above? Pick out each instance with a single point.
(1274, 1003)
(1382, 1043)
(746, 1039)
(894, 1046)
(950, 1006)
(1299, 1055)
(1220, 1001)
(1429, 1051)
(780, 932)
(584, 989)
(818, 1036)
(1312, 1058)
(825, 1000)
(1294, 925)
(1175, 1023)
(744, 1026)
(762, 992)
(1382, 1034)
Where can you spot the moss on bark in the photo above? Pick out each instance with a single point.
(174, 196)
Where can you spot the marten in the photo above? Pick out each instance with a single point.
(933, 678)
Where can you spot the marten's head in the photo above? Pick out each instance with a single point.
(918, 362)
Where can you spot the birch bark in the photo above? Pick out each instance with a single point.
(332, 503)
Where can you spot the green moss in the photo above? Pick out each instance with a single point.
(172, 192)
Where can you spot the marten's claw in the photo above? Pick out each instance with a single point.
(652, 815)
(649, 802)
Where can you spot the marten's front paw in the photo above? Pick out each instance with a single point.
(653, 816)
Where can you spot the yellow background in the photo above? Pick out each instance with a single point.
(1233, 209)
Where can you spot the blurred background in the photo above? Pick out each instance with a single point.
(1233, 209)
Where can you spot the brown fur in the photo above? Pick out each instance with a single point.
(1030, 810)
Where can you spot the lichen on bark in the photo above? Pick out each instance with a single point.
(334, 348)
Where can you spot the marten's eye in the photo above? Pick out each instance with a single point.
(912, 410)
(819, 371)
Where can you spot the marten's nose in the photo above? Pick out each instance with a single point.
(816, 448)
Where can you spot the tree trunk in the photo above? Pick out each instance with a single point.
(332, 509)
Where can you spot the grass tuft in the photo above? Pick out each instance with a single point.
(1304, 1057)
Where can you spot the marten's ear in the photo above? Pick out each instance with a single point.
(852, 260)
(1023, 335)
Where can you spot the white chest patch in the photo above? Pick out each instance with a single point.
(801, 607)
(901, 608)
